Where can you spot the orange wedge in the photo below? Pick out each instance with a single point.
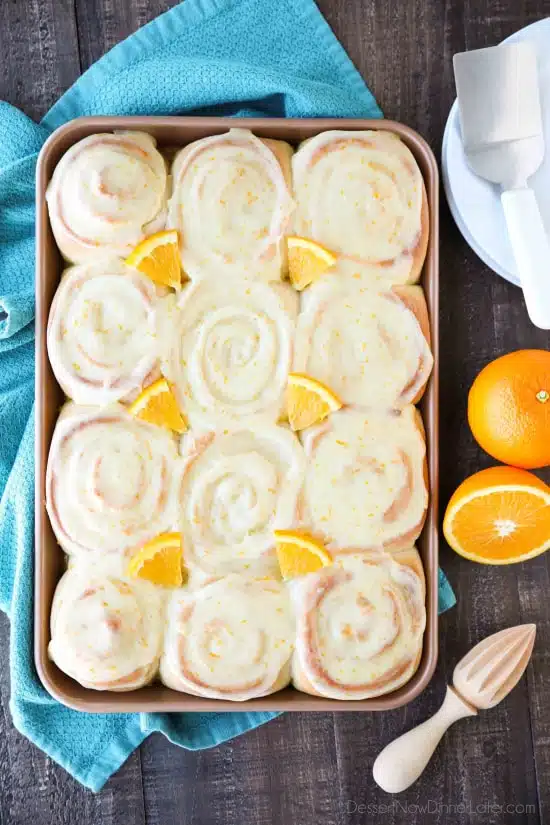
(157, 404)
(159, 561)
(308, 401)
(499, 516)
(307, 261)
(299, 553)
(158, 257)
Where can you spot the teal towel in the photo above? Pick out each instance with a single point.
(225, 57)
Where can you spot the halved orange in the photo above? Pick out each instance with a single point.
(159, 561)
(157, 404)
(299, 553)
(158, 257)
(309, 401)
(499, 516)
(307, 261)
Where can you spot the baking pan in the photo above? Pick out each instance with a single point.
(178, 131)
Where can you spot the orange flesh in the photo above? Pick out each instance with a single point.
(164, 569)
(305, 267)
(305, 409)
(162, 265)
(295, 561)
(161, 408)
(503, 525)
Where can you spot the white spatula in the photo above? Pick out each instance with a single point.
(480, 681)
(500, 120)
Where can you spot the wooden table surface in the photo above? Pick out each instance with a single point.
(316, 768)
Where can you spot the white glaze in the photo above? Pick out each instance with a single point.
(229, 348)
(367, 346)
(228, 343)
(106, 628)
(231, 639)
(237, 488)
(360, 624)
(364, 486)
(231, 204)
(106, 194)
(360, 195)
(111, 481)
(102, 341)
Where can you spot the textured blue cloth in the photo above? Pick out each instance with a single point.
(221, 57)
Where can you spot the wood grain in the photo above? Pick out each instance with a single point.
(317, 768)
(104, 23)
(38, 52)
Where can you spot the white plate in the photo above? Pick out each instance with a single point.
(474, 203)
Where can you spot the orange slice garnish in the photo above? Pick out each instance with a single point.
(158, 257)
(499, 516)
(308, 401)
(159, 561)
(299, 553)
(157, 404)
(307, 261)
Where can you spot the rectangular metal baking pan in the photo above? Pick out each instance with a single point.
(49, 558)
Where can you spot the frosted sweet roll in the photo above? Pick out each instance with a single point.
(237, 488)
(361, 195)
(371, 348)
(111, 481)
(106, 194)
(360, 624)
(101, 338)
(231, 203)
(229, 350)
(366, 480)
(106, 630)
(202, 480)
(231, 639)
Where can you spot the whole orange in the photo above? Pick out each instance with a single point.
(509, 408)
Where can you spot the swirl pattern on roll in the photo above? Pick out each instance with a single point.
(361, 194)
(237, 487)
(106, 630)
(360, 624)
(369, 347)
(229, 350)
(106, 194)
(231, 639)
(102, 342)
(231, 203)
(111, 481)
(366, 480)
